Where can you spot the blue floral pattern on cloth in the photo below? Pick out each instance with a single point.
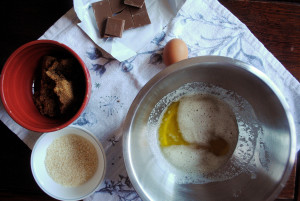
(207, 30)
(122, 188)
(228, 39)
(110, 105)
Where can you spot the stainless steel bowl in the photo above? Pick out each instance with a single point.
(153, 182)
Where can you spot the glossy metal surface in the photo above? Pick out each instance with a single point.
(155, 183)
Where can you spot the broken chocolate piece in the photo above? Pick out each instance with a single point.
(126, 15)
(102, 10)
(114, 27)
(117, 6)
(141, 19)
(134, 3)
(135, 10)
(132, 12)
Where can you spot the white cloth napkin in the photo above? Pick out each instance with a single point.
(208, 29)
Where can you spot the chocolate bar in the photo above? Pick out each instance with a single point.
(126, 15)
(134, 3)
(140, 16)
(114, 27)
(117, 6)
(141, 19)
(135, 10)
(114, 16)
(102, 10)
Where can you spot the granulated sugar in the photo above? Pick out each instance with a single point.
(71, 160)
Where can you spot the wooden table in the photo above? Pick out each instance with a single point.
(275, 24)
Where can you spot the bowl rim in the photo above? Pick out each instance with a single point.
(83, 131)
(83, 67)
(185, 64)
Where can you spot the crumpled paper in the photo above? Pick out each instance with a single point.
(160, 13)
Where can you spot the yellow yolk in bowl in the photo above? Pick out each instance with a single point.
(197, 118)
(169, 132)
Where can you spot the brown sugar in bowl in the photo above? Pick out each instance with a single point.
(16, 85)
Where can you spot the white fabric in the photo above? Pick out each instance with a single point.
(208, 29)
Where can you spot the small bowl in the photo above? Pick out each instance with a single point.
(16, 85)
(47, 184)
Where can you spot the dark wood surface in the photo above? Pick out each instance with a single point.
(275, 24)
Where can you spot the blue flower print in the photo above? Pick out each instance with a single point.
(99, 69)
(94, 54)
(88, 118)
(122, 188)
(110, 105)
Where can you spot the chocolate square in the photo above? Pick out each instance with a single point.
(134, 3)
(117, 6)
(135, 10)
(141, 19)
(114, 27)
(101, 11)
(126, 15)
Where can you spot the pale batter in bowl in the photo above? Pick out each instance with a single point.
(198, 133)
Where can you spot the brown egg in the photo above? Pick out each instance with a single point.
(174, 51)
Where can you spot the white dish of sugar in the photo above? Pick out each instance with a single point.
(70, 148)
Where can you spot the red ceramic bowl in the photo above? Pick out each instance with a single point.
(17, 82)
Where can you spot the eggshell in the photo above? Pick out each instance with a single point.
(174, 51)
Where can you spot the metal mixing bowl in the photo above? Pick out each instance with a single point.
(263, 182)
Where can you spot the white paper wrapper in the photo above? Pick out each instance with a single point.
(160, 13)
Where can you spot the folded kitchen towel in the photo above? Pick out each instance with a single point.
(208, 29)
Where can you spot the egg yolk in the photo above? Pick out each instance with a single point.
(169, 132)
